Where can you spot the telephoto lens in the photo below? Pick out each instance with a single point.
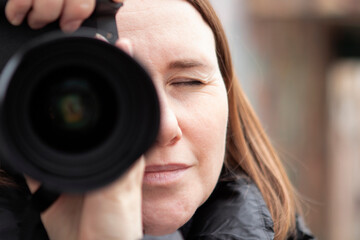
(75, 112)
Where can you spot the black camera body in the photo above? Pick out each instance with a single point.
(75, 111)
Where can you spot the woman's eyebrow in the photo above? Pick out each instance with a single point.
(185, 64)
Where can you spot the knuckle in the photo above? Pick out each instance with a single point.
(49, 10)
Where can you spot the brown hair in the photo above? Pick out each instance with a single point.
(248, 149)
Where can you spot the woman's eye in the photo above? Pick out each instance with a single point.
(189, 83)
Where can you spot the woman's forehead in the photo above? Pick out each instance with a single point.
(167, 27)
(161, 16)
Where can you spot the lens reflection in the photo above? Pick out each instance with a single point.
(74, 106)
(73, 111)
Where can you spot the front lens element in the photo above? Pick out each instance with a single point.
(73, 113)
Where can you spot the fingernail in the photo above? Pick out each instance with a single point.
(36, 25)
(101, 37)
(17, 19)
(71, 26)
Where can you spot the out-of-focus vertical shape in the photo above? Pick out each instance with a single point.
(234, 17)
(344, 150)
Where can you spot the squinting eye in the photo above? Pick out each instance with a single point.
(189, 83)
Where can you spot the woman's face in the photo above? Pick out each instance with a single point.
(177, 47)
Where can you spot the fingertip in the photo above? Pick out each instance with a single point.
(125, 45)
(17, 19)
(32, 183)
(70, 26)
(36, 25)
(101, 37)
(15, 11)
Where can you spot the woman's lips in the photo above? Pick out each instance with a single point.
(164, 174)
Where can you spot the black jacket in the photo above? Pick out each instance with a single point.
(234, 211)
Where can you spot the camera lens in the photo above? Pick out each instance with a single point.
(73, 111)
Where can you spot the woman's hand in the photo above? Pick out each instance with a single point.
(71, 13)
(113, 212)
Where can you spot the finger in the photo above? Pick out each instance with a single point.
(125, 45)
(44, 12)
(103, 209)
(129, 182)
(32, 184)
(74, 13)
(138, 170)
(16, 10)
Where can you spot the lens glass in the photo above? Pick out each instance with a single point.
(73, 109)
(74, 106)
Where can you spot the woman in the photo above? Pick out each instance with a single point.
(212, 172)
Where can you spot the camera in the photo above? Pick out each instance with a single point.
(75, 111)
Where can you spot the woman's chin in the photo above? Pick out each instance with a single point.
(160, 229)
(165, 210)
(163, 222)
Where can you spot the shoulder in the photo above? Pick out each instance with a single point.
(235, 210)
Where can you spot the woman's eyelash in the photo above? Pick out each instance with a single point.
(189, 83)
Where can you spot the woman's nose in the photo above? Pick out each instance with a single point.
(170, 131)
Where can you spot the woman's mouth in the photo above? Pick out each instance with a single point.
(164, 174)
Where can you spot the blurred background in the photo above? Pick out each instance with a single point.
(299, 63)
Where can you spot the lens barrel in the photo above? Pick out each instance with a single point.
(75, 112)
